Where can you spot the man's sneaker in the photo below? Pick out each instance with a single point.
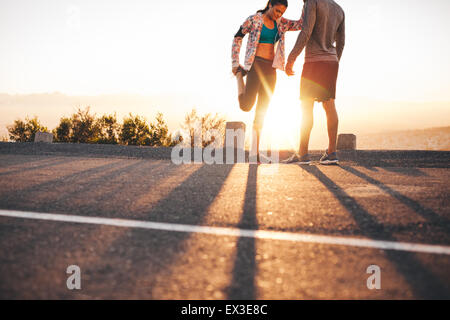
(295, 158)
(328, 159)
(305, 160)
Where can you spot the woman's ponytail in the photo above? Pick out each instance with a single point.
(266, 8)
(273, 2)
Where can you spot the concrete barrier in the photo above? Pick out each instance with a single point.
(43, 137)
(234, 143)
(346, 142)
(237, 139)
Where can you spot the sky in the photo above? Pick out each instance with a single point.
(396, 51)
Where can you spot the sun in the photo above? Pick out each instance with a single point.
(282, 122)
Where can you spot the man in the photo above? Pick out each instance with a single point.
(324, 24)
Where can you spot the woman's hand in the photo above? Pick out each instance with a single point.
(235, 70)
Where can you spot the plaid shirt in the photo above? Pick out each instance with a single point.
(253, 26)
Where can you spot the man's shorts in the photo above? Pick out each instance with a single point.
(319, 80)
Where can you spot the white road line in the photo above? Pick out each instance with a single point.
(256, 234)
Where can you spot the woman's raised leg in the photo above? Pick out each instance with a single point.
(249, 90)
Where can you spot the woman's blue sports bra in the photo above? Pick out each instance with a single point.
(269, 35)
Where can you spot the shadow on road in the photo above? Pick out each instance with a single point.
(151, 254)
(430, 215)
(104, 186)
(412, 172)
(423, 282)
(47, 163)
(242, 285)
(63, 202)
(16, 199)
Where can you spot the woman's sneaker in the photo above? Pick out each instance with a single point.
(328, 159)
(262, 159)
(295, 158)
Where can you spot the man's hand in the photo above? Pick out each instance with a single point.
(288, 69)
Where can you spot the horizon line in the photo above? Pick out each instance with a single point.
(174, 94)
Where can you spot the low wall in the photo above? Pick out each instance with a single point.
(368, 158)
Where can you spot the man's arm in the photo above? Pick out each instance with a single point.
(340, 39)
(305, 34)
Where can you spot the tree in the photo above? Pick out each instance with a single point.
(108, 129)
(135, 131)
(63, 131)
(25, 131)
(194, 124)
(210, 122)
(159, 133)
(85, 128)
(190, 124)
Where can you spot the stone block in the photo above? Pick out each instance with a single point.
(346, 142)
(235, 135)
(43, 137)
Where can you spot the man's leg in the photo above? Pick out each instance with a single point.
(332, 124)
(307, 124)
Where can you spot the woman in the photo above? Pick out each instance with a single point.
(266, 31)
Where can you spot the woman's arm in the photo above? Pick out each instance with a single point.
(303, 37)
(237, 41)
(293, 25)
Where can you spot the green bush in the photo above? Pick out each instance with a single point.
(25, 131)
(62, 133)
(159, 133)
(109, 129)
(85, 128)
(194, 122)
(134, 131)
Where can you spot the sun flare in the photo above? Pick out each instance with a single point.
(283, 118)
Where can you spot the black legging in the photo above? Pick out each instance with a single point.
(261, 80)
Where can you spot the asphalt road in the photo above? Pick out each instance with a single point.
(392, 203)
